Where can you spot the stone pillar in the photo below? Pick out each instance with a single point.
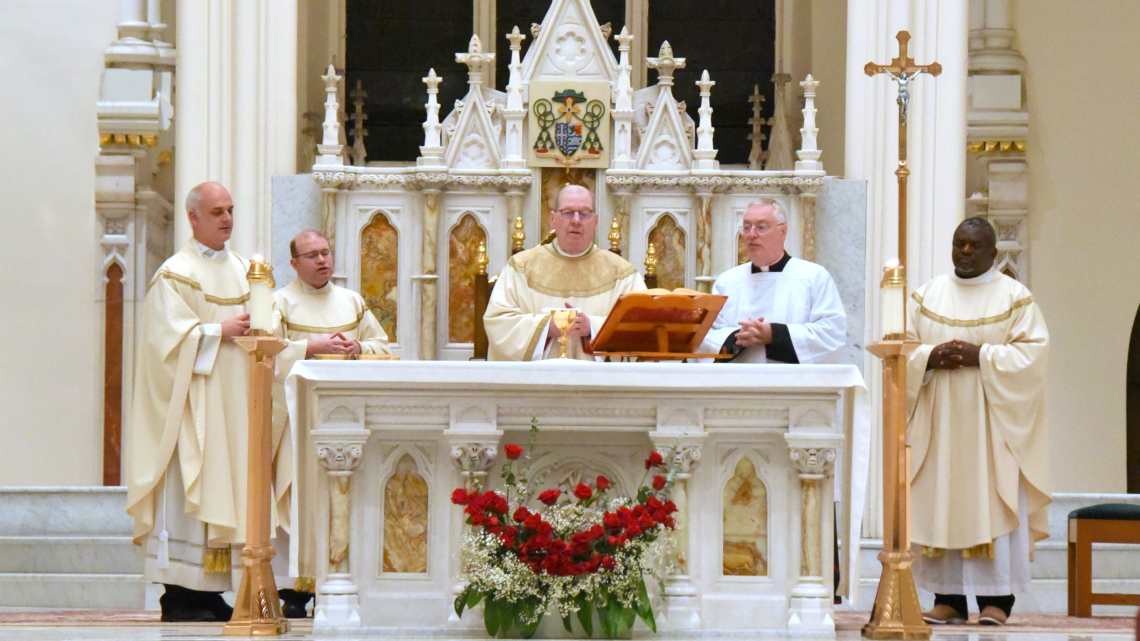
(813, 458)
(809, 201)
(937, 132)
(429, 276)
(338, 599)
(238, 120)
(998, 128)
(682, 608)
(472, 454)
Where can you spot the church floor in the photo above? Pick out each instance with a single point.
(143, 625)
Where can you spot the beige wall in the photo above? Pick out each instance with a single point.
(50, 61)
(1083, 84)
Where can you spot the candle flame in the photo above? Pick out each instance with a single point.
(258, 258)
(891, 264)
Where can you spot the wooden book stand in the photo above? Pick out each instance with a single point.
(654, 326)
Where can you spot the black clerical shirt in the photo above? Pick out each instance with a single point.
(781, 348)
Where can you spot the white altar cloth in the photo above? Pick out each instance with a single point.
(488, 398)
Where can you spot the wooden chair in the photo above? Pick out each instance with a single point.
(1105, 523)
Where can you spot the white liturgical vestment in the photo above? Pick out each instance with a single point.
(801, 296)
(978, 439)
(302, 312)
(187, 456)
(543, 277)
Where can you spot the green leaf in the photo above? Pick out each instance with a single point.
(644, 608)
(530, 608)
(506, 470)
(474, 598)
(607, 623)
(511, 478)
(461, 601)
(491, 616)
(585, 608)
(643, 494)
(566, 623)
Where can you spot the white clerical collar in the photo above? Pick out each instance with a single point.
(309, 289)
(558, 250)
(977, 280)
(213, 254)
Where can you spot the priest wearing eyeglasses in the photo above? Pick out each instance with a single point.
(780, 309)
(571, 271)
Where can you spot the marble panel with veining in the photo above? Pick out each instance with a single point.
(745, 522)
(379, 271)
(669, 239)
(296, 207)
(841, 247)
(463, 245)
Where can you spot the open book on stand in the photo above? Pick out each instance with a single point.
(658, 324)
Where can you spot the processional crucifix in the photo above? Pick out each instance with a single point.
(897, 614)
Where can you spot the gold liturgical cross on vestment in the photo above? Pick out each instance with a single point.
(897, 614)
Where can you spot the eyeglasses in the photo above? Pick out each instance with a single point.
(762, 228)
(569, 214)
(324, 253)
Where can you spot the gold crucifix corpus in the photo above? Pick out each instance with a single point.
(902, 70)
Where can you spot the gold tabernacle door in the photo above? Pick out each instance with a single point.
(658, 325)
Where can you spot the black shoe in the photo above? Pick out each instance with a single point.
(181, 605)
(214, 602)
(294, 603)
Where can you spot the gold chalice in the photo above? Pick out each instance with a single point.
(563, 318)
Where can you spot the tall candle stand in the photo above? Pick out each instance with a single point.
(257, 609)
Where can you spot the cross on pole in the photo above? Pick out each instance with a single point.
(902, 70)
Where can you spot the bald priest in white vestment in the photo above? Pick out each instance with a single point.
(187, 451)
(314, 316)
(779, 309)
(571, 271)
(977, 433)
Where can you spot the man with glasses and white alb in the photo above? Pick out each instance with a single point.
(780, 309)
(572, 271)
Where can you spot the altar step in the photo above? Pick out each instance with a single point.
(1116, 568)
(68, 548)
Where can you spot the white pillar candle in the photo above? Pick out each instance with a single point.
(893, 292)
(260, 294)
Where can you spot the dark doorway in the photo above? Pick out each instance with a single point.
(391, 45)
(736, 42)
(1133, 408)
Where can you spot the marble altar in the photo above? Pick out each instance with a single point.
(381, 445)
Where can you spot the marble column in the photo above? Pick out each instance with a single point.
(937, 140)
(809, 201)
(429, 269)
(813, 458)
(704, 238)
(682, 608)
(472, 455)
(238, 123)
(338, 598)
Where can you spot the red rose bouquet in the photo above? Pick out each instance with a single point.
(574, 552)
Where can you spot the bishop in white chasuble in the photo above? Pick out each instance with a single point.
(187, 456)
(779, 309)
(976, 388)
(571, 271)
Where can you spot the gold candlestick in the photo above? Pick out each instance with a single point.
(257, 609)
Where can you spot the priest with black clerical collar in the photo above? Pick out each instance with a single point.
(780, 309)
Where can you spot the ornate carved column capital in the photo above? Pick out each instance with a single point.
(474, 457)
(340, 457)
(813, 462)
(813, 454)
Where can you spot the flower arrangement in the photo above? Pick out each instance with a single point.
(573, 555)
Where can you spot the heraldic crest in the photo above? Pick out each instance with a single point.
(569, 124)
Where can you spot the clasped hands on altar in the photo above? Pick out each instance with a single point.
(336, 343)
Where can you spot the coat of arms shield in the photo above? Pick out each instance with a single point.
(569, 124)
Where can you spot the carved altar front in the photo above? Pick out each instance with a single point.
(762, 448)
